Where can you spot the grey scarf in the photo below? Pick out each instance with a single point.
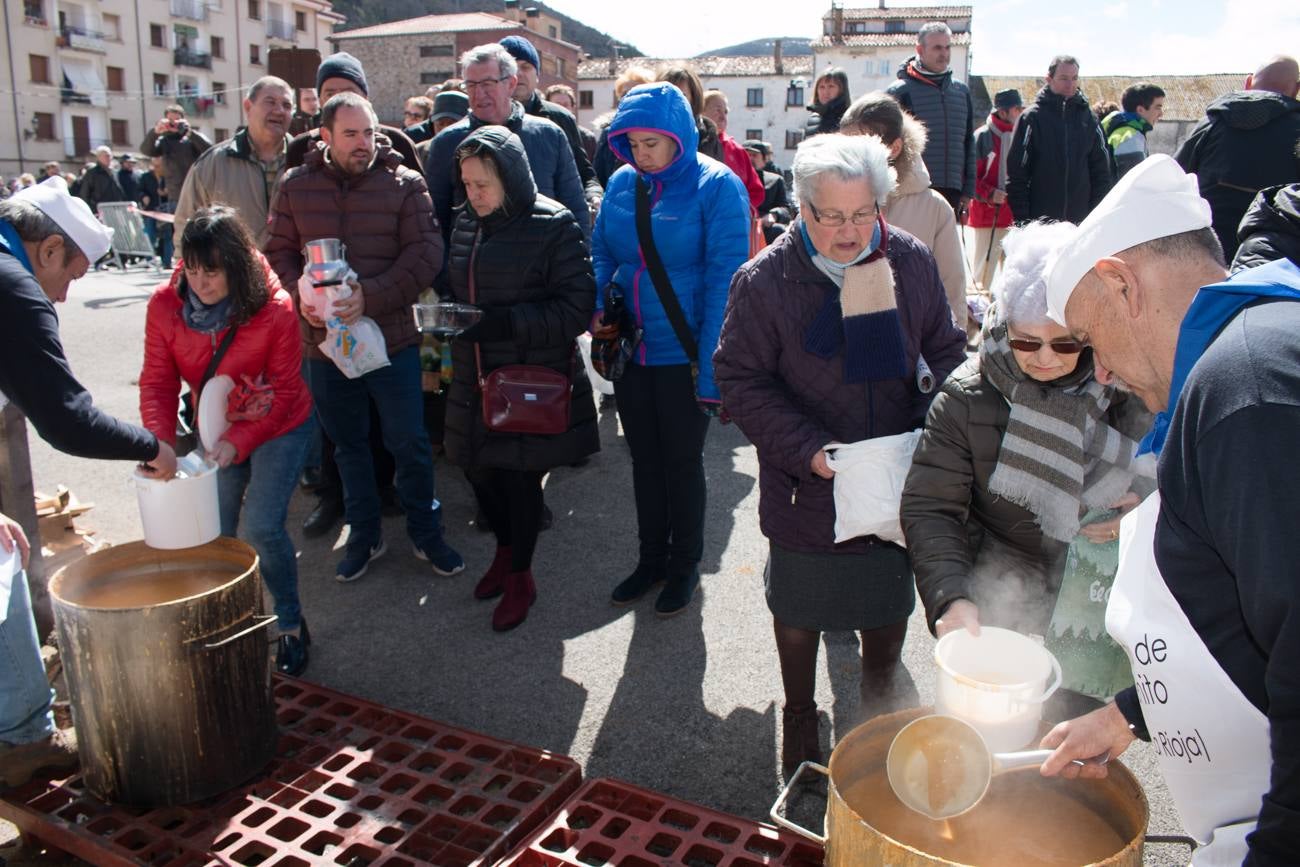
(1058, 453)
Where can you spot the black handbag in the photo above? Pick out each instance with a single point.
(187, 435)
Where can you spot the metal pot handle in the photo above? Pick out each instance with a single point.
(264, 620)
(1171, 840)
(784, 796)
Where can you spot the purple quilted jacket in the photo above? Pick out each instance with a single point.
(790, 403)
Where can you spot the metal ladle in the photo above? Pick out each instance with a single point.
(941, 767)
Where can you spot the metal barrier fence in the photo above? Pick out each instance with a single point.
(129, 238)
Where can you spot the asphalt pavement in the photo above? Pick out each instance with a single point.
(689, 706)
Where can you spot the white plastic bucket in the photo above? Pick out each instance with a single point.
(181, 512)
(997, 683)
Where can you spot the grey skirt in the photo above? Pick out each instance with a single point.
(826, 591)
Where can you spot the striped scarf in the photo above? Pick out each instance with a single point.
(1059, 456)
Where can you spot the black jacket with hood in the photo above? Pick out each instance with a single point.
(1271, 228)
(528, 257)
(1248, 140)
(1058, 167)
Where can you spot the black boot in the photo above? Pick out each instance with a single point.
(636, 585)
(677, 593)
(323, 518)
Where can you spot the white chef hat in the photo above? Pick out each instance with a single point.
(1155, 199)
(72, 215)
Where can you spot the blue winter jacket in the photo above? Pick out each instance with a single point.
(700, 220)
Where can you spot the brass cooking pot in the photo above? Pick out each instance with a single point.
(1025, 819)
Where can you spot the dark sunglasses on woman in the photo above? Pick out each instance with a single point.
(1060, 347)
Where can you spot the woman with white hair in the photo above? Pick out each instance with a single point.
(1020, 442)
(820, 345)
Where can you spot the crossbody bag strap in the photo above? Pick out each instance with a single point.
(211, 369)
(667, 297)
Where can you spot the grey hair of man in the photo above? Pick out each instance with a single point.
(268, 81)
(1020, 290)
(931, 29)
(347, 99)
(33, 225)
(492, 51)
(843, 158)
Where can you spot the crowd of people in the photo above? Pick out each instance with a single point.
(815, 315)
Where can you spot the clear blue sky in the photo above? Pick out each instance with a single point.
(1111, 37)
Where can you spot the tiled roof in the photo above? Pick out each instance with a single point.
(932, 13)
(426, 24)
(706, 67)
(1186, 96)
(881, 40)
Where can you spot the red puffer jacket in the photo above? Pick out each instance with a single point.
(268, 345)
(737, 159)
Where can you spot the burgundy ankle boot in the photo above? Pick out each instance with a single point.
(494, 579)
(520, 594)
(800, 741)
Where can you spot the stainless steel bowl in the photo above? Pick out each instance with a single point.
(445, 319)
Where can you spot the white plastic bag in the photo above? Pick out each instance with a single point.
(355, 349)
(598, 382)
(869, 477)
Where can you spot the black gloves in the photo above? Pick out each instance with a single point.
(496, 325)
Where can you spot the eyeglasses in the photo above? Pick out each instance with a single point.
(1060, 347)
(470, 86)
(834, 218)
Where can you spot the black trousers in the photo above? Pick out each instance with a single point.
(512, 502)
(385, 466)
(665, 431)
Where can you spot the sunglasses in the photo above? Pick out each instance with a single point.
(1060, 347)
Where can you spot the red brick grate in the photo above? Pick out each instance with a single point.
(608, 822)
(352, 783)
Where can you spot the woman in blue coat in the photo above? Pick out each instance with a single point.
(699, 218)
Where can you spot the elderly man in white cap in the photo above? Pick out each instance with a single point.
(47, 240)
(1207, 597)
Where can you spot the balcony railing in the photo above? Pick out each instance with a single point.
(284, 30)
(197, 106)
(194, 10)
(69, 96)
(81, 39)
(187, 57)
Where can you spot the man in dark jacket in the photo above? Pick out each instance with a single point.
(776, 211)
(359, 192)
(99, 184)
(490, 81)
(179, 145)
(1058, 166)
(1249, 140)
(449, 106)
(529, 65)
(926, 89)
(128, 178)
(46, 241)
(1271, 228)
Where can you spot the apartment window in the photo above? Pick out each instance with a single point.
(794, 96)
(218, 47)
(895, 25)
(255, 10)
(792, 138)
(255, 55)
(44, 125)
(119, 131)
(39, 65)
(437, 50)
(551, 29)
(34, 12)
(116, 78)
(157, 36)
(754, 97)
(219, 92)
(559, 67)
(161, 84)
(885, 66)
(857, 27)
(433, 77)
(113, 28)
(221, 134)
(300, 20)
(753, 134)
(585, 99)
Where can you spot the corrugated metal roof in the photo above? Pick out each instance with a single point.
(454, 23)
(705, 67)
(880, 40)
(933, 13)
(1186, 96)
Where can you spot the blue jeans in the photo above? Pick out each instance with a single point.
(341, 408)
(258, 491)
(25, 694)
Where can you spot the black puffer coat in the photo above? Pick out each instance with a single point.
(529, 255)
(1271, 228)
(1058, 166)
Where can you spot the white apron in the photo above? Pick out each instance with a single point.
(1212, 743)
